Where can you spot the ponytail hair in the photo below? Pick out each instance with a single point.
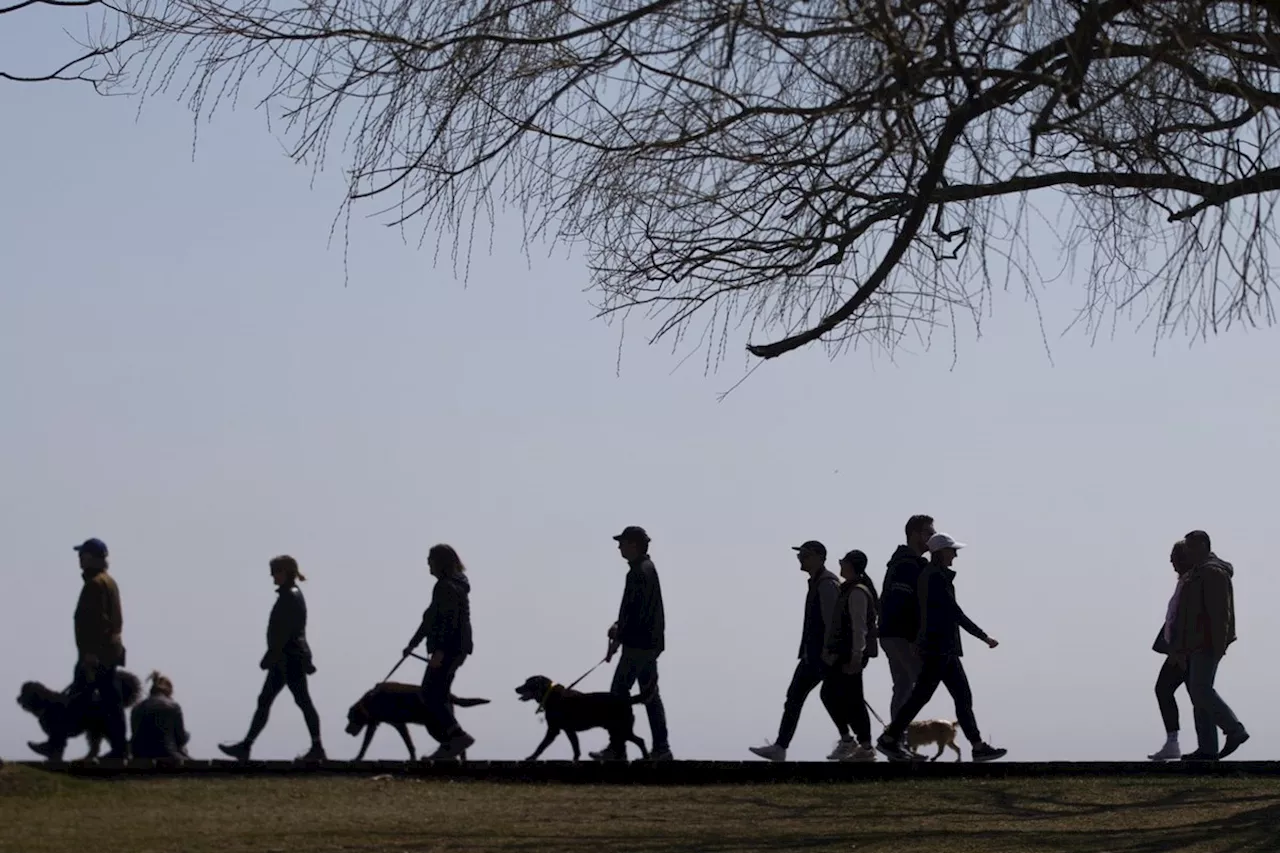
(289, 566)
(160, 684)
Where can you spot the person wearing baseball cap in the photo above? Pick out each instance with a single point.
(812, 669)
(99, 627)
(939, 643)
(640, 634)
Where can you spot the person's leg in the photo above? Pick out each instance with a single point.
(296, 680)
(1172, 675)
(926, 685)
(904, 669)
(436, 684)
(806, 677)
(646, 670)
(1211, 711)
(835, 699)
(957, 682)
(271, 688)
(856, 703)
(108, 688)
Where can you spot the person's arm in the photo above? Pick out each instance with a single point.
(1217, 597)
(181, 733)
(828, 597)
(858, 603)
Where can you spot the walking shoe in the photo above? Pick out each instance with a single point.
(453, 748)
(1199, 756)
(661, 753)
(770, 752)
(892, 748)
(608, 754)
(860, 752)
(315, 753)
(843, 748)
(1233, 743)
(117, 755)
(1169, 752)
(986, 752)
(238, 751)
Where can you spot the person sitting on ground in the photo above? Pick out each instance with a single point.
(159, 731)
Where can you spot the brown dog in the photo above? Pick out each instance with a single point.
(940, 732)
(397, 705)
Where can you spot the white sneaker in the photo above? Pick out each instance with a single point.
(771, 752)
(843, 748)
(1169, 752)
(860, 753)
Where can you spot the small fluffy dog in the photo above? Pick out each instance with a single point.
(397, 705)
(61, 721)
(571, 712)
(941, 732)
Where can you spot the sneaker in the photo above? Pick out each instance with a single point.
(1233, 743)
(661, 753)
(987, 752)
(1169, 752)
(843, 748)
(453, 748)
(770, 752)
(608, 754)
(860, 752)
(116, 755)
(1199, 756)
(315, 753)
(892, 748)
(238, 751)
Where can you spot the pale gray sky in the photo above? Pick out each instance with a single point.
(185, 376)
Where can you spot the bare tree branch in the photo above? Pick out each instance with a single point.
(811, 170)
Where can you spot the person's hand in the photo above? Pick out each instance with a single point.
(408, 650)
(436, 661)
(613, 631)
(613, 650)
(991, 642)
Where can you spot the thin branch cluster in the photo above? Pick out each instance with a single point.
(816, 170)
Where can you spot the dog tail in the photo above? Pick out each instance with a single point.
(467, 703)
(130, 687)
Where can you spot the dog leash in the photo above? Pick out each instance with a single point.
(401, 661)
(873, 713)
(585, 674)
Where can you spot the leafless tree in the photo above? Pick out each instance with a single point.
(95, 57)
(818, 170)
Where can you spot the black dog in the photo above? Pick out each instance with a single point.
(397, 705)
(62, 719)
(572, 712)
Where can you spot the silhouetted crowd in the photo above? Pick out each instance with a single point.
(915, 620)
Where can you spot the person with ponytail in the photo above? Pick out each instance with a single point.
(159, 731)
(287, 661)
(850, 644)
(446, 626)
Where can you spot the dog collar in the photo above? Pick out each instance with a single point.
(543, 702)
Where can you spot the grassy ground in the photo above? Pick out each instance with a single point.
(45, 813)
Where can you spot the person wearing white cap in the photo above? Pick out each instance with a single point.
(939, 643)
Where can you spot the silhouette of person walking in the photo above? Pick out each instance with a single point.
(287, 661)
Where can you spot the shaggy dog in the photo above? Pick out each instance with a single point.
(397, 705)
(61, 720)
(941, 732)
(571, 712)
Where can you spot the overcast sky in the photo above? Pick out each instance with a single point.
(185, 375)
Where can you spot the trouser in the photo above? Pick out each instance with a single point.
(1173, 674)
(1211, 712)
(904, 668)
(103, 681)
(290, 673)
(639, 665)
(936, 670)
(807, 676)
(437, 685)
(852, 704)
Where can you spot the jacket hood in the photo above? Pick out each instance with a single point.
(459, 581)
(1220, 564)
(903, 554)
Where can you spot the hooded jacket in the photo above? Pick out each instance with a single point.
(446, 623)
(899, 595)
(940, 616)
(1206, 617)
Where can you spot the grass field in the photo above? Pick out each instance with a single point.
(47, 813)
